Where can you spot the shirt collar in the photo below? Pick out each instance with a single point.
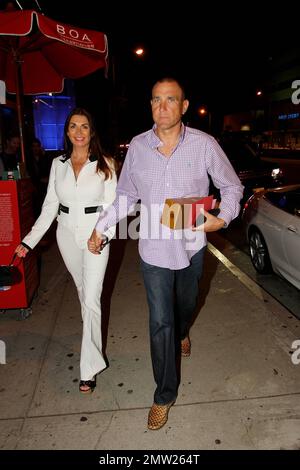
(155, 141)
(65, 158)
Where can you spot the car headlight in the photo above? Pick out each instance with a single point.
(276, 172)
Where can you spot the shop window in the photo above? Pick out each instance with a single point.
(50, 113)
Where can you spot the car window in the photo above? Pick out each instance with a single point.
(288, 201)
(293, 202)
(277, 199)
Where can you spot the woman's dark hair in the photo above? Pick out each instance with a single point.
(94, 147)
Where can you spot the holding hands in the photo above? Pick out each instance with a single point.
(97, 242)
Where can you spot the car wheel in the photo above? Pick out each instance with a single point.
(259, 252)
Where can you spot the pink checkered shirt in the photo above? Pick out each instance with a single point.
(150, 177)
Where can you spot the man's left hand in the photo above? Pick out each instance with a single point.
(211, 224)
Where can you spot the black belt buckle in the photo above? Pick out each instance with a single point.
(62, 208)
(93, 209)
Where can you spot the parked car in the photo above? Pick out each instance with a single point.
(272, 223)
(253, 172)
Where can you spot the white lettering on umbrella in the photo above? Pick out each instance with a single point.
(72, 33)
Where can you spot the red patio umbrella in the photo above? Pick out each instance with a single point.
(37, 53)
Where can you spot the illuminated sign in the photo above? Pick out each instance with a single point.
(288, 116)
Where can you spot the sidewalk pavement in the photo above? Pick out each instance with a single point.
(239, 389)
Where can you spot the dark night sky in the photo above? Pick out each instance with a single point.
(221, 54)
(221, 49)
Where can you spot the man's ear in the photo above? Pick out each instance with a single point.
(185, 106)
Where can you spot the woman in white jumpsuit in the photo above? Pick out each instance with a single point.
(82, 183)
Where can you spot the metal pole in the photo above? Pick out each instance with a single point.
(19, 93)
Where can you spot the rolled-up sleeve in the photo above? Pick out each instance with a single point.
(126, 197)
(110, 185)
(226, 180)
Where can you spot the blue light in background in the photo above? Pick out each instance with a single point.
(283, 117)
(50, 113)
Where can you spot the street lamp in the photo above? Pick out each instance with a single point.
(126, 70)
(139, 51)
(203, 112)
(259, 111)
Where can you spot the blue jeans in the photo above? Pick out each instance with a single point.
(170, 293)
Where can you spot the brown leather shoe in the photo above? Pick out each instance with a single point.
(186, 347)
(158, 415)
